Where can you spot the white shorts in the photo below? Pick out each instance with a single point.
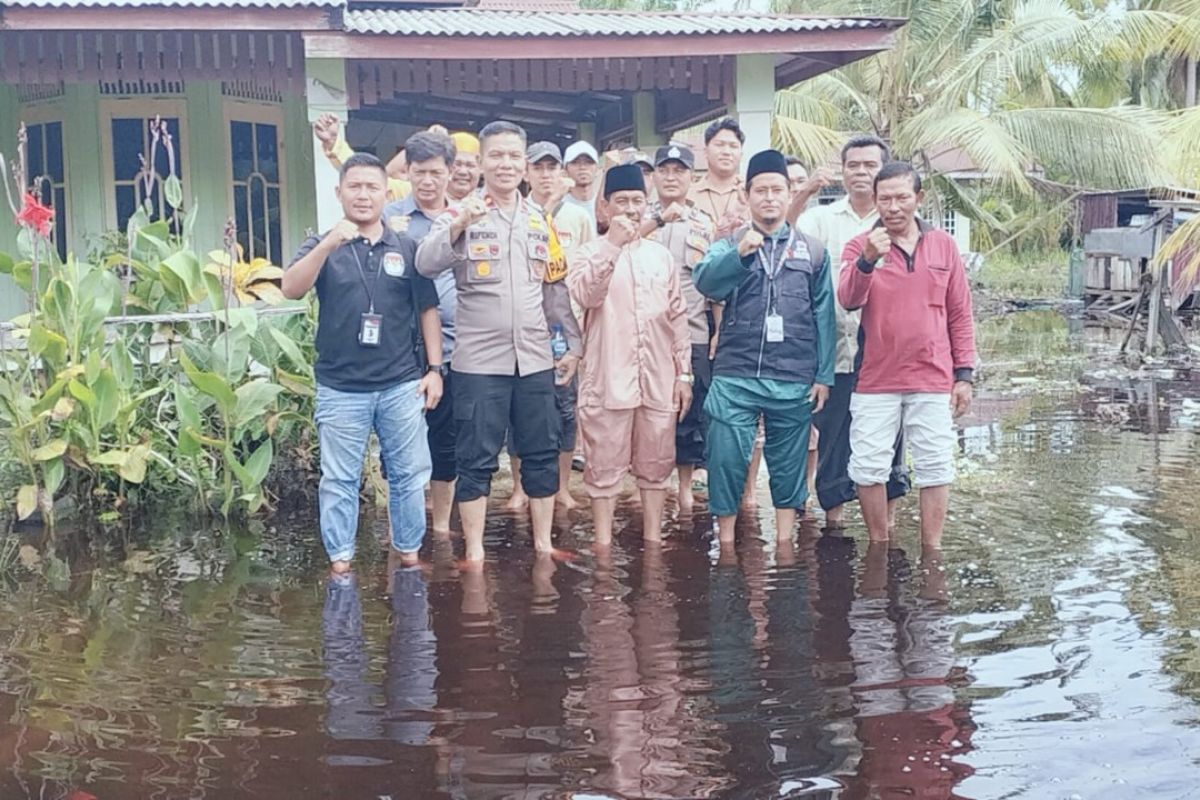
(928, 430)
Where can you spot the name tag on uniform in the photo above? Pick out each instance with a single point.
(774, 328)
(483, 244)
(369, 328)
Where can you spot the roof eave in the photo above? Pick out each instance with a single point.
(159, 18)
(336, 44)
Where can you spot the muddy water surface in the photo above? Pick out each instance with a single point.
(1049, 651)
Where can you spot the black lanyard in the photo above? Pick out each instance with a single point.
(771, 267)
(362, 273)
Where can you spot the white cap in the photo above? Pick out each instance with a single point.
(577, 149)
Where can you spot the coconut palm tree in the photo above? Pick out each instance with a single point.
(1012, 83)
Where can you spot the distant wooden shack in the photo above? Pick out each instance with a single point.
(1121, 233)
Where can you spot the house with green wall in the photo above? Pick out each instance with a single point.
(238, 84)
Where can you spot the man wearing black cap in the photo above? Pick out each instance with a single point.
(687, 232)
(775, 356)
(637, 364)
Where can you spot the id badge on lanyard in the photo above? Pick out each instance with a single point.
(370, 324)
(369, 328)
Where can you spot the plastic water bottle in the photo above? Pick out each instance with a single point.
(558, 341)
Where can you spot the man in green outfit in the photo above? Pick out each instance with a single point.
(775, 353)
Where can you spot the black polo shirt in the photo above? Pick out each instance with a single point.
(352, 276)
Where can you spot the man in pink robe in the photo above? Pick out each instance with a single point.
(637, 359)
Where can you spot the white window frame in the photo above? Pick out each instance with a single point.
(257, 112)
(41, 114)
(113, 108)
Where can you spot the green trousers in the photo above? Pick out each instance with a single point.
(733, 408)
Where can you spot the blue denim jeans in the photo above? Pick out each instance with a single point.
(344, 423)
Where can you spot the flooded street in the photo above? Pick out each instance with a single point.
(1049, 651)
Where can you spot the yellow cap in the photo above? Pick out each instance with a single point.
(465, 142)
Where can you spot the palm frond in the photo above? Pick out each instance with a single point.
(1183, 243)
(1098, 148)
(812, 144)
(990, 145)
(1183, 146)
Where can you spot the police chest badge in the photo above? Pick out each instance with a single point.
(399, 224)
(393, 264)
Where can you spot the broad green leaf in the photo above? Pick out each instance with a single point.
(216, 293)
(27, 500)
(259, 464)
(109, 458)
(245, 318)
(6, 263)
(83, 394)
(184, 266)
(50, 450)
(108, 398)
(210, 384)
(54, 472)
(22, 275)
(134, 467)
(48, 345)
(291, 349)
(122, 364)
(254, 399)
(231, 354)
(296, 384)
(92, 366)
(185, 407)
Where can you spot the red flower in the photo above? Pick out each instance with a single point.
(35, 215)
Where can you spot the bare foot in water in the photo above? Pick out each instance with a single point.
(340, 567)
(687, 500)
(518, 502)
(565, 500)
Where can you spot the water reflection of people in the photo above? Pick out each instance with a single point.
(649, 732)
(411, 669)
(908, 720)
(352, 711)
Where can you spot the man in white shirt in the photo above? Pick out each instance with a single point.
(835, 225)
(582, 164)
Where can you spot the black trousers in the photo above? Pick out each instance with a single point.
(834, 487)
(689, 434)
(485, 408)
(567, 397)
(443, 434)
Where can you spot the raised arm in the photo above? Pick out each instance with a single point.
(720, 271)
(854, 282)
(590, 271)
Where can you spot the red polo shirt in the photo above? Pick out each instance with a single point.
(916, 314)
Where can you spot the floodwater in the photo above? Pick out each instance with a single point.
(1049, 651)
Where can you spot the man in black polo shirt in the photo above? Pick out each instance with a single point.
(374, 311)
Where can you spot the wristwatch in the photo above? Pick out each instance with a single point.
(658, 219)
(440, 369)
(687, 378)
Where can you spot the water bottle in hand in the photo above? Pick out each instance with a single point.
(558, 342)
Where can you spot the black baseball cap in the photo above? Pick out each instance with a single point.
(675, 152)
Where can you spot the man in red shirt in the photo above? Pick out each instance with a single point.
(918, 351)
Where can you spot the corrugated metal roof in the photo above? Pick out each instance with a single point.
(69, 4)
(480, 22)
